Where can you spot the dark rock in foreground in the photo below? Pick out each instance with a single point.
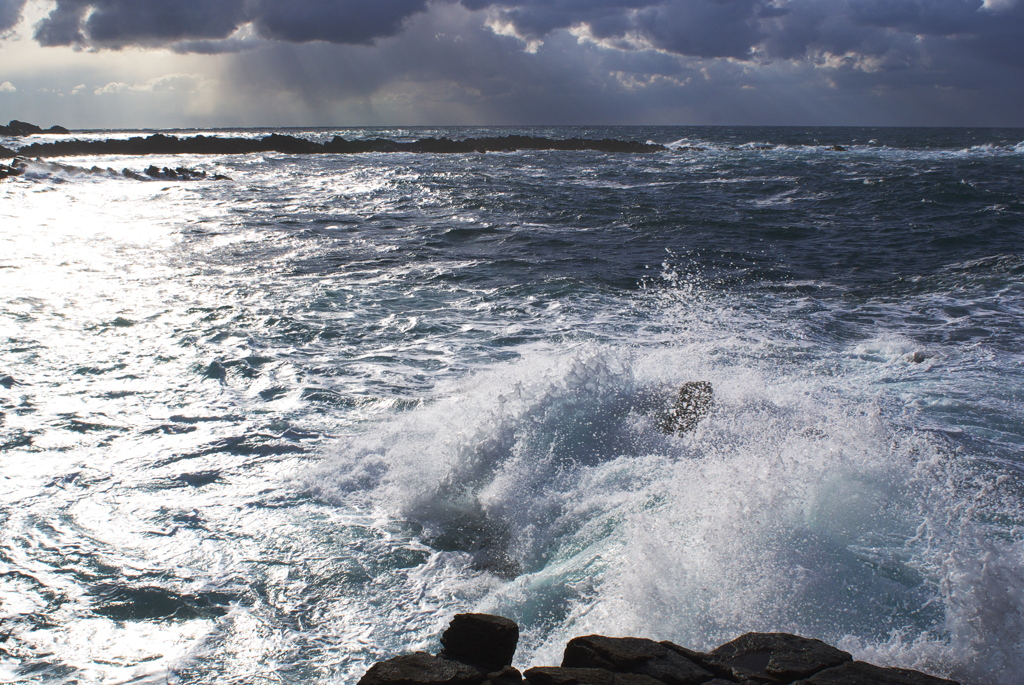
(633, 655)
(776, 656)
(861, 673)
(585, 676)
(475, 645)
(482, 640)
(159, 144)
(421, 667)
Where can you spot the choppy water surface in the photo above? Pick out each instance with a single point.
(275, 428)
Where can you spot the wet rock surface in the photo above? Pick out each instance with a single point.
(421, 667)
(634, 655)
(585, 676)
(861, 673)
(478, 647)
(776, 657)
(483, 640)
(696, 399)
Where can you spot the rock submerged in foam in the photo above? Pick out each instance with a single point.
(695, 400)
(478, 650)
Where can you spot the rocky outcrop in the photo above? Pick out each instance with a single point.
(23, 128)
(775, 657)
(424, 668)
(586, 676)
(861, 673)
(478, 650)
(634, 655)
(21, 166)
(160, 144)
(483, 640)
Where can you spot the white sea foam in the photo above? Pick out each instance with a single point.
(799, 505)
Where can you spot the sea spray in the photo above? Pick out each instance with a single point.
(800, 504)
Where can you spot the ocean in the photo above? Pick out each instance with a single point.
(274, 428)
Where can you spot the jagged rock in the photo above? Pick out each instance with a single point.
(696, 399)
(57, 129)
(6, 153)
(421, 668)
(776, 657)
(585, 676)
(177, 174)
(474, 644)
(483, 640)
(838, 148)
(861, 673)
(634, 655)
(19, 128)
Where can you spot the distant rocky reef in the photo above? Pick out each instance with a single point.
(160, 144)
(477, 649)
(22, 128)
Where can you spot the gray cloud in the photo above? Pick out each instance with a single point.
(120, 23)
(781, 29)
(338, 21)
(592, 61)
(447, 68)
(10, 13)
(887, 31)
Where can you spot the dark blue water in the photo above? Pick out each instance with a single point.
(277, 427)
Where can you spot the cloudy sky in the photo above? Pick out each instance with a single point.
(168, 63)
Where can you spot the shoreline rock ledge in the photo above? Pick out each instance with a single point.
(478, 650)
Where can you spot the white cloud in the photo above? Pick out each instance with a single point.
(7, 87)
(186, 83)
(114, 87)
(502, 27)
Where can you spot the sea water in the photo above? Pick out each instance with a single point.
(279, 427)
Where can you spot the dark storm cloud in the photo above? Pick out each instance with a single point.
(780, 29)
(890, 31)
(340, 21)
(10, 13)
(117, 23)
(928, 62)
(120, 23)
